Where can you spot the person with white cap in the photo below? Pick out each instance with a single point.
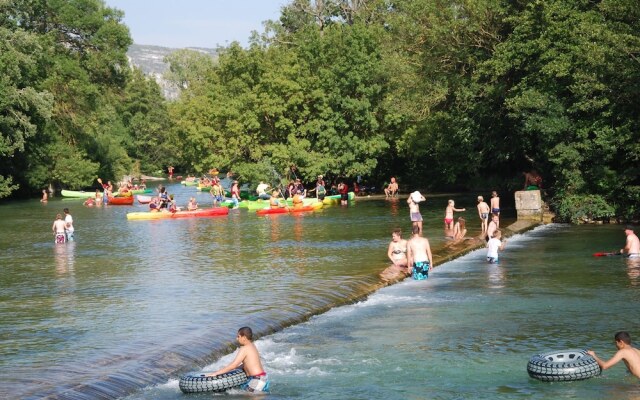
(414, 209)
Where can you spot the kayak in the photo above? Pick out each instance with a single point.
(121, 201)
(78, 193)
(260, 204)
(144, 199)
(190, 183)
(285, 210)
(229, 203)
(335, 199)
(269, 211)
(141, 191)
(205, 212)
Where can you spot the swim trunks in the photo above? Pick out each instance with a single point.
(416, 217)
(484, 215)
(448, 221)
(344, 196)
(60, 237)
(420, 270)
(257, 383)
(633, 255)
(495, 210)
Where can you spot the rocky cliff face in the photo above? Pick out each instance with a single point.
(150, 59)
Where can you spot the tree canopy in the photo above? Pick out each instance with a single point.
(444, 94)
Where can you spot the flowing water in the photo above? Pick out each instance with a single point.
(131, 304)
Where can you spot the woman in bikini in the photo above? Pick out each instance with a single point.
(397, 251)
(448, 214)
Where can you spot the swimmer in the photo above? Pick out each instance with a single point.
(249, 358)
(630, 355)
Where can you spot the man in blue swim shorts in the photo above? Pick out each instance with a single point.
(419, 255)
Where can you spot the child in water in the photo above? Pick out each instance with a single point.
(448, 214)
(494, 246)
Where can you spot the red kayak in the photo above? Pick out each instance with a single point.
(267, 211)
(205, 212)
(283, 210)
(122, 201)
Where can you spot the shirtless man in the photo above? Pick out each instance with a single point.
(419, 255)
(392, 188)
(632, 246)
(630, 355)
(59, 228)
(249, 358)
(483, 213)
(414, 209)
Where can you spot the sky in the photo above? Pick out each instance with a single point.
(195, 23)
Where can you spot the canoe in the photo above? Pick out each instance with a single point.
(190, 183)
(260, 204)
(269, 211)
(121, 201)
(205, 212)
(81, 194)
(144, 199)
(285, 210)
(141, 191)
(229, 203)
(335, 199)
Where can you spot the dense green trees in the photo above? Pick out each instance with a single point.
(443, 93)
(69, 105)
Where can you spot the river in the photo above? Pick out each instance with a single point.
(132, 302)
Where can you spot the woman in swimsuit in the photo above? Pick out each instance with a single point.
(397, 251)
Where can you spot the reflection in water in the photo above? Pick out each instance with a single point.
(496, 276)
(65, 257)
(633, 270)
(395, 206)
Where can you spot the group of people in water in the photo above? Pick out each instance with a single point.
(63, 230)
(414, 257)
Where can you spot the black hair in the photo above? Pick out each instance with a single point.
(246, 332)
(623, 336)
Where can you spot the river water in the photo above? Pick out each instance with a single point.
(132, 304)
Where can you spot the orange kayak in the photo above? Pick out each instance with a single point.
(123, 201)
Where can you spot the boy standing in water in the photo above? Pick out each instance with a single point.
(249, 358)
(494, 246)
(630, 355)
(483, 213)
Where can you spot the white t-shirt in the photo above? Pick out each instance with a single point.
(68, 219)
(493, 245)
(262, 188)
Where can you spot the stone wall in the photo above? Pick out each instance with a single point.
(529, 205)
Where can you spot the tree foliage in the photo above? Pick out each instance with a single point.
(444, 94)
